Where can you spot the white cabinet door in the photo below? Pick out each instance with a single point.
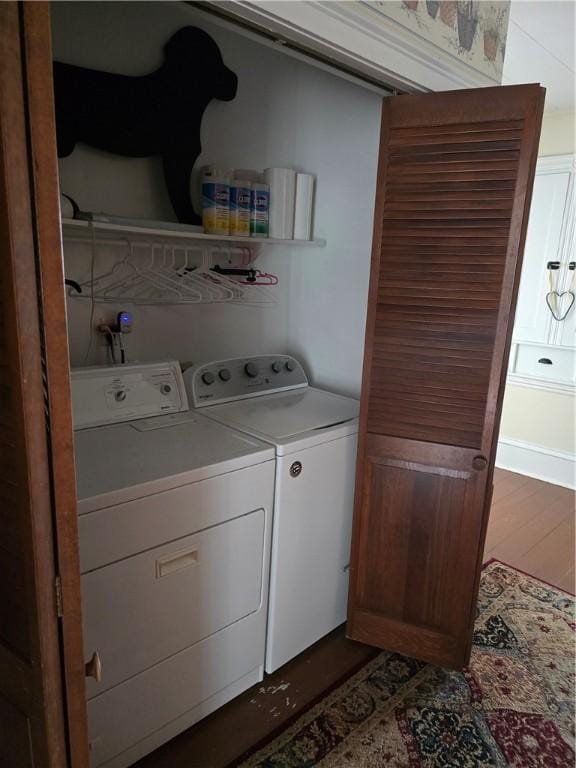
(547, 213)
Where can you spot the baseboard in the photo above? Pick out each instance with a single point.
(558, 467)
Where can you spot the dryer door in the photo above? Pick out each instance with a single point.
(145, 608)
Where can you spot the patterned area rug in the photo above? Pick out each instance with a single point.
(514, 705)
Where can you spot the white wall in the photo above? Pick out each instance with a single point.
(534, 419)
(558, 135)
(286, 113)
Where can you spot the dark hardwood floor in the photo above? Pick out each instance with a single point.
(531, 527)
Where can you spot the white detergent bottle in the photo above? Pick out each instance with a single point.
(259, 210)
(216, 201)
(240, 208)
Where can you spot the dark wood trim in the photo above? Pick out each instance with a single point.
(40, 665)
(38, 53)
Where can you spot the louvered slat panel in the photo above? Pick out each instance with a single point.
(468, 131)
(448, 202)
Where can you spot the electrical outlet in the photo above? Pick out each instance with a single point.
(103, 342)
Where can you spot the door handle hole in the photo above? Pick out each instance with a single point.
(479, 462)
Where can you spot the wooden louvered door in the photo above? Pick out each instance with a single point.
(454, 185)
(42, 704)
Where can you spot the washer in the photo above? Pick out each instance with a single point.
(314, 434)
(175, 524)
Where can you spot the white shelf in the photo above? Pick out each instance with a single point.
(181, 231)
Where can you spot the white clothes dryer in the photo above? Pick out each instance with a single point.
(174, 525)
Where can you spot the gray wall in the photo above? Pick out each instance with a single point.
(286, 113)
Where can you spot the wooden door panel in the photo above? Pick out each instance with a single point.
(44, 174)
(453, 193)
(14, 730)
(417, 570)
(35, 436)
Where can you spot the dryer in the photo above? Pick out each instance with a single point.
(314, 434)
(174, 526)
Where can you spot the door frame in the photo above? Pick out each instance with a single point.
(34, 218)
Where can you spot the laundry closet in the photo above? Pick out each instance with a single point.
(271, 437)
(225, 573)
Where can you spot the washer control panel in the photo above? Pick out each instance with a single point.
(114, 393)
(242, 377)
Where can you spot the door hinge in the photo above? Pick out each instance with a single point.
(58, 594)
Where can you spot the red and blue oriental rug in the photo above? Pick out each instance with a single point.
(513, 706)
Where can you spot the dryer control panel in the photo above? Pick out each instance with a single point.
(242, 377)
(115, 393)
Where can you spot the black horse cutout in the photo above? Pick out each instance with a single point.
(156, 114)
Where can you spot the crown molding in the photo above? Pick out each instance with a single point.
(339, 31)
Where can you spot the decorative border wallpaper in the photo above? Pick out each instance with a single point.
(472, 30)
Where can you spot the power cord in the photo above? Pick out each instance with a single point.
(115, 334)
(107, 331)
(92, 302)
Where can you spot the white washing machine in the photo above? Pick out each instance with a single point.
(314, 434)
(175, 518)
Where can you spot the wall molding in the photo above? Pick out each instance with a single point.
(551, 466)
(533, 382)
(556, 164)
(391, 54)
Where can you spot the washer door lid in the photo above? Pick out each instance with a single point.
(286, 415)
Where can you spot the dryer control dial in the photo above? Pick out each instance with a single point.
(251, 370)
(208, 378)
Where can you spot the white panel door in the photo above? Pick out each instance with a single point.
(533, 318)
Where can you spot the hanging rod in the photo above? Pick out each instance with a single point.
(178, 231)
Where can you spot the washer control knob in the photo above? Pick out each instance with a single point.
(276, 366)
(251, 370)
(208, 378)
(165, 389)
(120, 396)
(224, 374)
(290, 365)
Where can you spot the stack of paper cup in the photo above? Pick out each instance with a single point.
(282, 183)
(303, 206)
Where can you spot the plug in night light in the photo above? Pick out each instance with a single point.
(124, 322)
